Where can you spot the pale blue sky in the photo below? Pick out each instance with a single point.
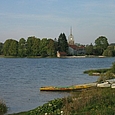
(48, 18)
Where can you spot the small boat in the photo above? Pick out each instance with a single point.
(70, 88)
(105, 84)
(52, 88)
(113, 85)
(111, 81)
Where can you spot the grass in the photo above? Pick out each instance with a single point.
(3, 108)
(93, 101)
(98, 71)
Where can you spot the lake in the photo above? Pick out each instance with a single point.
(21, 78)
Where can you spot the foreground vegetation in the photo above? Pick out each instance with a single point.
(3, 108)
(93, 101)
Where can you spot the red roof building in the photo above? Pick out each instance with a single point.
(76, 50)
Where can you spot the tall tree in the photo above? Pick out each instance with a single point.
(22, 47)
(56, 45)
(51, 48)
(109, 51)
(10, 48)
(89, 49)
(43, 47)
(33, 45)
(101, 43)
(62, 43)
(13, 49)
(6, 47)
(29, 46)
(1, 48)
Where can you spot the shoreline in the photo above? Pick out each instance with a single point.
(38, 57)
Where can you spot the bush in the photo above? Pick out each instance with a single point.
(3, 108)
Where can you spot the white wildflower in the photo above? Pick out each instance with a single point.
(61, 112)
(50, 104)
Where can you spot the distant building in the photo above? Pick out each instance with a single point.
(76, 50)
(72, 50)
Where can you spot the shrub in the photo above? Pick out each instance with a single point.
(3, 108)
(101, 78)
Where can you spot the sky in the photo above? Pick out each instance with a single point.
(89, 19)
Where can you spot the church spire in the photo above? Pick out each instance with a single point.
(71, 30)
(71, 38)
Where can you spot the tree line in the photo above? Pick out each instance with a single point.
(34, 46)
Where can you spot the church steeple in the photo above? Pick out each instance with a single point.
(71, 38)
(71, 31)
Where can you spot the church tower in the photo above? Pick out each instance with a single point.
(71, 38)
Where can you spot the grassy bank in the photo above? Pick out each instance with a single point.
(96, 72)
(94, 101)
(3, 108)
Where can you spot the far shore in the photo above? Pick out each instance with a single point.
(85, 56)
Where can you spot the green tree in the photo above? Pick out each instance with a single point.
(51, 48)
(13, 49)
(6, 47)
(97, 51)
(33, 45)
(43, 47)
(109, 51)
(1, 48)
(10, 48)
(62, 43)
(89, 49)
(101, 44)
(22, 47)
(113, 52)
(105, 53)
(29, 46)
